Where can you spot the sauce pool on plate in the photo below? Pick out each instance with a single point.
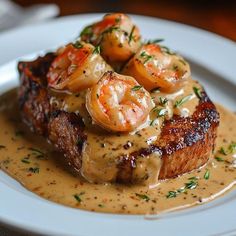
(30, 160)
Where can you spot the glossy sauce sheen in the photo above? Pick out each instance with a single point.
(33, 162)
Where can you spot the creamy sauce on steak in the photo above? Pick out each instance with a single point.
(32, 161)
(102, 148)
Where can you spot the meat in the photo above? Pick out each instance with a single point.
(63, 130)
(185, 144)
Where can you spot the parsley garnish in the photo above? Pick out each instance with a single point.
(87, 31)
(232, 147)
(223, 151)
(182, 101)
(207, 175)
(171, 194)
(143, 196)
(38, 153)
(25, 160)
(101, 205)
(131, 34)
(219, 159)
(167, 50)
(77, 196)
(163, 101)
(192, 184)
(146, 57)
(97, 50)
(155, 41)
(197, 92)
(34, 169)
(160, 111)
(77, 45)
(152, 122)
(136, 87)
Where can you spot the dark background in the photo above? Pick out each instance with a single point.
(217, 16)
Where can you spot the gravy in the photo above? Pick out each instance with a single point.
(33, 162)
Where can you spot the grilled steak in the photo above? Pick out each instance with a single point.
(184, 144)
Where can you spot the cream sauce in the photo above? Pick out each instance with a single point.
(102, 149)
(33, 162)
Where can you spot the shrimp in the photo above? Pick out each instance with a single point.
(78, 66)
(118, 103)
(154, 66)
(118, 37)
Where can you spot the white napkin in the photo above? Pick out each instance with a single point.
(12, 15)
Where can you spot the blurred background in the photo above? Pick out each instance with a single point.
(218, 16)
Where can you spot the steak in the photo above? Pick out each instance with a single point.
(185, 144)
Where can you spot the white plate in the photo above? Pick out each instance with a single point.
(213, 62)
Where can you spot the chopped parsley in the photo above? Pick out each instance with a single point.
(160, 111)
(146, 57)
(77, 45)
(88, 31)
(78, 196)
(163, 101)
(192, 184)
(101, 205)
(97, 50)
(171, 194)
(155, 41)
(152, 122)
(197, 92)
(182, 101)
(167, 50)
(136, 87)
(143, 197)
(219, 159)
(207, 175)
(25, 160)
(131, 37)
(34, 169)
(222, 151)
(232, 147)
(38, 153)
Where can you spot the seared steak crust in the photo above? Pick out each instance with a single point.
(33, 95)
(64, 130)
(184, 144)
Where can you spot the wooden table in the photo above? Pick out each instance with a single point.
(218, 16)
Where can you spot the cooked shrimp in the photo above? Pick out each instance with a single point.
(118, 103)
(118, 37)
(156, 67)
(78, 66)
